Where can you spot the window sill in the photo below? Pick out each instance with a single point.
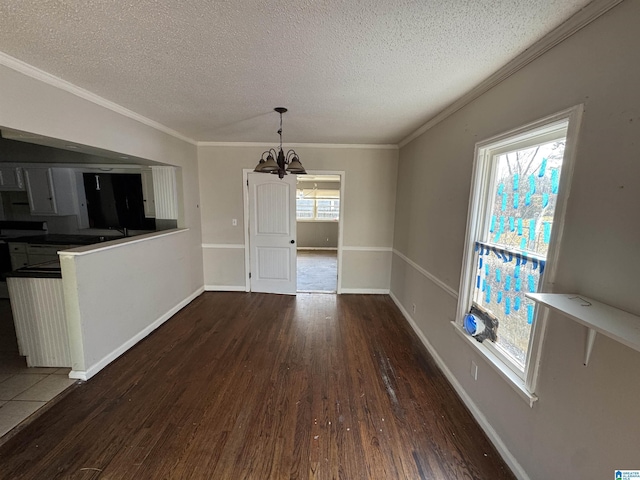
(505, 372)
(309, 220)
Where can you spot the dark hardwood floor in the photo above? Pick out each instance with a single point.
(254, 386)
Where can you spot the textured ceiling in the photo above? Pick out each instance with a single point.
(358, 71)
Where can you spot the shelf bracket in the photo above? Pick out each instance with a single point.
(591, 338)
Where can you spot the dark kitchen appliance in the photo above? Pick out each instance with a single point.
(115, 200)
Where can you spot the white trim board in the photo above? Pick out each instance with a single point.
(225, 288)
(371, 146)
(366, 291)
(110, 357)
(581, 19)
(367, 249)
(37, 74)
(428, 275)
(495, 439)
(334, 249)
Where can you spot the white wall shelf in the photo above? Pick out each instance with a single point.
(598, 317)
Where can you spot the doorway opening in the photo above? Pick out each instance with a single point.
(318, 232)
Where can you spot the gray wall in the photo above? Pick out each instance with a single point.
(585, 423)
(317, 234)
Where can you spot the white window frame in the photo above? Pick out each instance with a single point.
(478, 218)
(315, 209)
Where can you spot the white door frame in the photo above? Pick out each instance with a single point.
(245, 196)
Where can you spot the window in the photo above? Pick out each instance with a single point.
(313, 204)
(515, 216)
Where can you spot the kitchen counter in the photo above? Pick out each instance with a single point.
(61, 239)
(42, 270)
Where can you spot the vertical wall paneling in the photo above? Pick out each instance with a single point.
(164, 192)
(39, 316)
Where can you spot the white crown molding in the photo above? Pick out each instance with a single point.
(33, 72)
(301, 145)
(581, 19)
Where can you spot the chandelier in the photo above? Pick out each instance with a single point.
(277, 162)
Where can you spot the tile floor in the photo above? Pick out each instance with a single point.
(23, 390)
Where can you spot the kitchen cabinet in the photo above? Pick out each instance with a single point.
(25, 254)
(11, 179)
(44, 253)
(51, 191)
(19, 258)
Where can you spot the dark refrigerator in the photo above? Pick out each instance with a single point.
(115, 200)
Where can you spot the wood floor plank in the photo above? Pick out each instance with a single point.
(254, 386)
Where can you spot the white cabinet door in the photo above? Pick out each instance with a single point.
(37, 254)
(272, 233)
(52, 191)
(40, 191)
(18, 252)
(11, 179)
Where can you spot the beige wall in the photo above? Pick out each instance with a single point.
(585, 423)
(317, 234)
(368, 215)
(139, 289)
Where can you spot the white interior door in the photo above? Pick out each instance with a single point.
(272, 233)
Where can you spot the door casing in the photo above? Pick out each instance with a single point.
(247, 250)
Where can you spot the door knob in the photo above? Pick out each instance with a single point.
(293, 241)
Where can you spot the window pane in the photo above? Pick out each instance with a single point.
(328, 209)
(520, 220)
(304, 208)
(501, 282)
(525, 195)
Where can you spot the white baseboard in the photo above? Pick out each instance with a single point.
(106, 360)
(504, 452)
(368, 291)
(225, 288)
(318, 248)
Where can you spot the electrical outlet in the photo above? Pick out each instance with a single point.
(474, 370)
(234, 222)
(413, 308)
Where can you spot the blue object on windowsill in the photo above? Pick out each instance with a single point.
(473, 325)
